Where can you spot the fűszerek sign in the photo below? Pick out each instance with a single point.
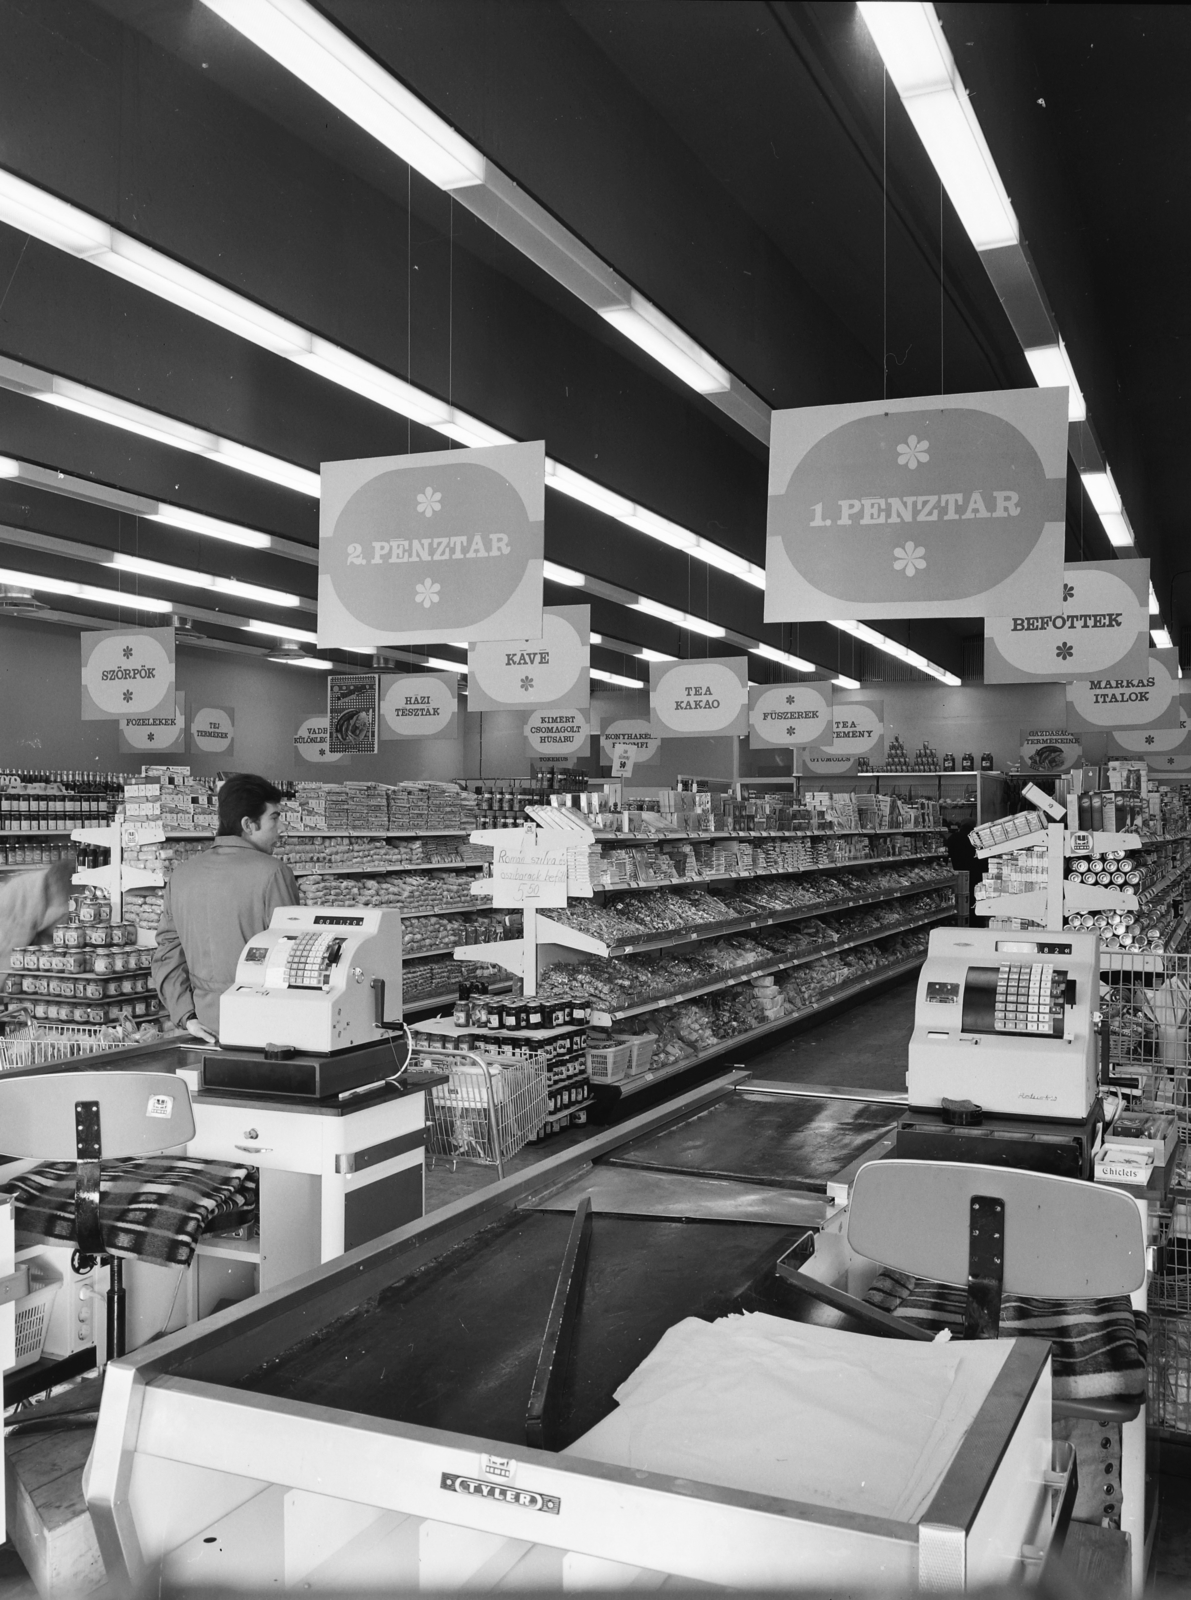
(442, 545)
(948, 505)
(785, 714)
(1096, 621)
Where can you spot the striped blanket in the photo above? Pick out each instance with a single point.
(155, 1208)
(1098, 1346)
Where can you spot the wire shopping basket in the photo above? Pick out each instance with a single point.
(489, 1108)
(41, 1044)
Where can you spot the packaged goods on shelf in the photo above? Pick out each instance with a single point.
(1006, 829)
(339, 853)
(1018, 872)
(152, 856)
(57, 802)
(412, 891)
(143, 908)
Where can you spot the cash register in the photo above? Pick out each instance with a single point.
(314, 1005)
(1003, 1060)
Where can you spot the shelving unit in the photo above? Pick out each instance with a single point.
(612, 1092)
(986, 801)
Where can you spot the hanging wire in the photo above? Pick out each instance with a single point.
(409, 296)
(884, 239)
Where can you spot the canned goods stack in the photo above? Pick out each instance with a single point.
(1119, 928)
(93, 973)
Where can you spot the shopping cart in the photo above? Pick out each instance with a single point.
(488, 1109)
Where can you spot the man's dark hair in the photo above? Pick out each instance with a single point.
(244, 795)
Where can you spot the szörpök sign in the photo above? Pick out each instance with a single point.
(949, 505)
(127, 672)
(785, 714)
(1118, 701)
(1096, 621)
(697, 698)
(445, 545)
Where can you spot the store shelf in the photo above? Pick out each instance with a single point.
(449, 1000)
(551, 932)
(776, 872)
(667, 836)
(381, 872)
(740, 975)
(141, 878)
(832, 997)
(439, 911)
(386, 833)
(453, 949)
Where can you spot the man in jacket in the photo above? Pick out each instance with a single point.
(216, 901)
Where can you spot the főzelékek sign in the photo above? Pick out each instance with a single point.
(442, 545)
(159, 730)
(1096, 622)
(948, 505)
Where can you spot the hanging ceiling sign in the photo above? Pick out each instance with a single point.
(698, 699)
(353, 699)
(785, 714)
(213, 731)
(419, 705)
(312, 741)
(1165, 749)
(1049, 749)
(127, 672)
(1097, 621)
(559, 733)
(949, 505)
(633, 731)
(442, 545)
(158, 731)
(1120, 702)
(553, 670)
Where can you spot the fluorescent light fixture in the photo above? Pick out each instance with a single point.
(9, 468)
(445, 666)
(1155, 608)
(783, 658)
(1052, 369)
(471, 431)
(728, 561)
(461, 644)
(843, 681)
(682, 619)
(653, 655)
(279, 630)
(891, 647)
(596, 638)
(210, 527)
(574, 484)
(1102, 491)
(615, 677)
(1161, 639)
(301, 40)
(374, 383)
(85, 591)
(661, 529)
(203, 580)
(316, 662)
(290, 654)
(567, 575)
(667, 343)
(35, 211)
(922, 68)
(1116, 527)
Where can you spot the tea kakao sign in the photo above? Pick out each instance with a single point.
(1121, 702)
(419, 705)
(785, 714)
(442, 545)
(949, 505)
(553, 669)
(1096, 621)
(127, 672)
(698, 699)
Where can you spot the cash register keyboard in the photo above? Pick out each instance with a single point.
(1030, 998)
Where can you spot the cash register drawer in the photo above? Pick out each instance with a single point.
(262, 1136)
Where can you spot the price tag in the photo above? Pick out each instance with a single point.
(160, 1105)
(624, 757)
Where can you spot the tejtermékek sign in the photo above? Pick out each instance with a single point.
(430, 547)
(948, 505)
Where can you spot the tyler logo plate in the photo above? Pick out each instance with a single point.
(527, 1499)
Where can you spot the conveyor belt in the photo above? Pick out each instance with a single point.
(455, 1345)
(781, 1143)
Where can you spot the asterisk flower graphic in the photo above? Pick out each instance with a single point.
(910, 557)
(127, 696)
(429, 502)
(426, 594)
(1068, 591)
(1064, 651)
(526, 685)
(151, 737)
(128, 652)
(1149, 738)
(913, 451)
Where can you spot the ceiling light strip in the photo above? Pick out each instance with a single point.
(860, 630)
(300, 39)
(911, 42)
